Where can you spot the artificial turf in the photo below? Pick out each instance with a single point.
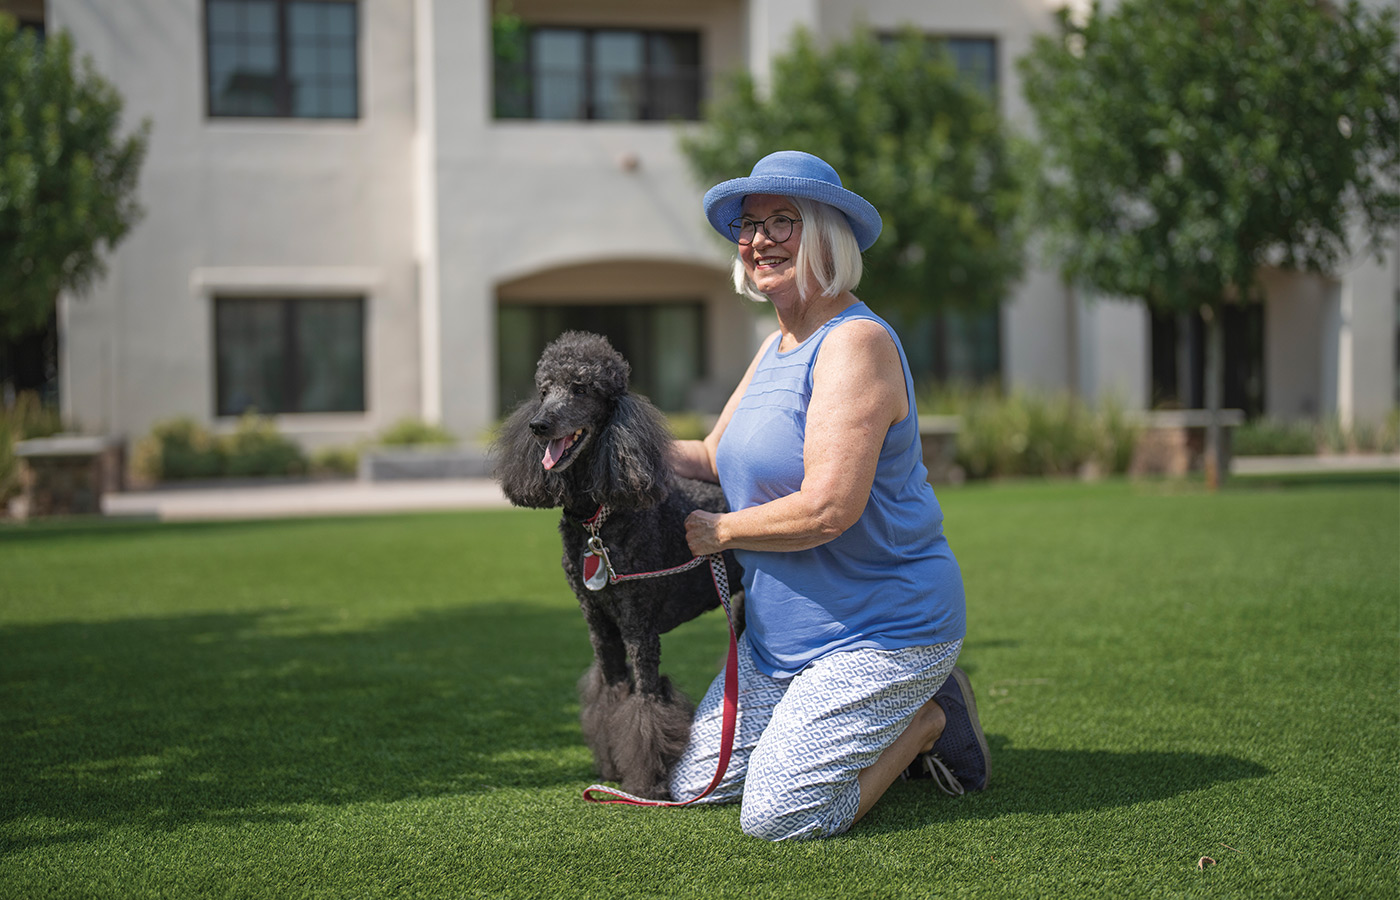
(385, 707)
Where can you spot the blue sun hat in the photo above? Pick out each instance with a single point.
(792, 173)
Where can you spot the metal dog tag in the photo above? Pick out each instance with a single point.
(596, 566)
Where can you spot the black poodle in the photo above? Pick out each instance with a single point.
(588, 445)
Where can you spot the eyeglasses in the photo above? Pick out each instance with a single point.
(777, 227)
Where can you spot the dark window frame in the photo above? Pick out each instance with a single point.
(291, 374)
(947, 39)
(1246, 348)
(603, 316)
(930, 340)
(652, 76)
(283, 88)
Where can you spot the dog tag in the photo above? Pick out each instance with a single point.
(595, 567)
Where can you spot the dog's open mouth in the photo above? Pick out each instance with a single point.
(562, 449)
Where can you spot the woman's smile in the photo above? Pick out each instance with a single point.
(771, 264)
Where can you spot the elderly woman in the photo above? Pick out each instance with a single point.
(854, 601)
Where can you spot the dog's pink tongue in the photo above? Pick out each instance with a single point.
(553, 452)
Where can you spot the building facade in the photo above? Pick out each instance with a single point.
(355, 214)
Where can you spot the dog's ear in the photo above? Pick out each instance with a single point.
(631, 467)
(516, 462)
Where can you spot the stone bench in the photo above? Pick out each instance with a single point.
(938, 435)
(67, 475)
(1173, 441)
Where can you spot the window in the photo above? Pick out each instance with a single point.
(285, 355)
(974, 58)
(283, 58)
(954, 346)
(1178, 359)
(663, 342)
(951, 346)
(600, 73)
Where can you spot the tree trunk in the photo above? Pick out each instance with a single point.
(1215, 390)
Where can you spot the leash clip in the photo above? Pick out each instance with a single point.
(597, 568)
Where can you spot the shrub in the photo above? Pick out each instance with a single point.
(336, 461)
(689, 426)
(257, 448)
(177, 449)
(181, 448)
(1028, 433)
(1390, 433)
(415, 432)
(1271, 437)
(1115, 437)
(1361, 437)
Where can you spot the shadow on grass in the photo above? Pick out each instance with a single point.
(238, 718)
(233, 718)
(1054, 782)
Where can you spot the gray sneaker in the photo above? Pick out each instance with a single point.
(959, 760)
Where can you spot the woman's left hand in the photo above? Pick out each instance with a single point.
(700, 532)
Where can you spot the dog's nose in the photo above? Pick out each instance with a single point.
(539, 427)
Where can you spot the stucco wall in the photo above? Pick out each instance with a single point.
(259, 205)
(433, 210)
(517, 199)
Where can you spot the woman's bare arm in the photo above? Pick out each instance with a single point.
(858, 392)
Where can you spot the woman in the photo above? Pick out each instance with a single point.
(853, 600)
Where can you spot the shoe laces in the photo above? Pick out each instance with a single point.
(943, 776)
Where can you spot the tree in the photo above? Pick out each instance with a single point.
(906, 132)
(1190, 143)
(67, 179)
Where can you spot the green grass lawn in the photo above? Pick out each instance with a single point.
(384, 707)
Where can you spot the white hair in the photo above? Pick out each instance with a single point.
(828, 254)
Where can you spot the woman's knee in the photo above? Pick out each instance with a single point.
(792, 819)
(775, 827)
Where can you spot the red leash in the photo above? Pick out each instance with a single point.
(731, 682)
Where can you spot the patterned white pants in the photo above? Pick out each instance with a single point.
(800, 742)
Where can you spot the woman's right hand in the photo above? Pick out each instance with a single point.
(701, 533)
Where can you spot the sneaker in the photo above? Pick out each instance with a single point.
(959, 761)
(926, 765)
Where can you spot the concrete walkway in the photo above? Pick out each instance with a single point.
(319, 498)
(337, 498)
(1305, 465)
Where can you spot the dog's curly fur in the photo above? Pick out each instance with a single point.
(634, 721)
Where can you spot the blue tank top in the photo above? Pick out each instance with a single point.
(890, 581)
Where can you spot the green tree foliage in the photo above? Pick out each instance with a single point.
(1190, 143)
(905, 131)
(67, 178)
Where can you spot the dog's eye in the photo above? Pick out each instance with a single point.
(579, 390)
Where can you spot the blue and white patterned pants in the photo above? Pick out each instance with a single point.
(800, 742)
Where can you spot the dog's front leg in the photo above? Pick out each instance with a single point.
(602, 690)
(652, 726)
(609, 649)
